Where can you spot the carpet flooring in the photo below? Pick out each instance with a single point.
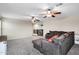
(25, 47)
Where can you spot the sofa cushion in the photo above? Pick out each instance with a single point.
(66, 34)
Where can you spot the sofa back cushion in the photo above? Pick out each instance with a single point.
(57, 34)
(52, 33)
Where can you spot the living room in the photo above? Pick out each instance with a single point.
(21, 23)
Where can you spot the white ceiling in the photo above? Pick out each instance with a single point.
(22, 10)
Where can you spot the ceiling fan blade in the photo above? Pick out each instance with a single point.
(57, 12)
(59, 4)
(53, 15)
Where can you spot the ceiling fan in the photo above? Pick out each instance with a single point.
(51, 12)
(35, 19)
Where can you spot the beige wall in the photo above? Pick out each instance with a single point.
(17, 29)
(67, 24)
(22, 29)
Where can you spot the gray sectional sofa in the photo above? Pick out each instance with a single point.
(49, 48)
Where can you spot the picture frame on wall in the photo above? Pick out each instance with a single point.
(39, 32)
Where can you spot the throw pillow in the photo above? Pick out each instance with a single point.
(52, 38)
(62, 37)
(59, 39)
(66, 34)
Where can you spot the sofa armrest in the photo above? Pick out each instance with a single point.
(66, 44)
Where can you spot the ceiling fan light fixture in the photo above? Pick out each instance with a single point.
(48, 12)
